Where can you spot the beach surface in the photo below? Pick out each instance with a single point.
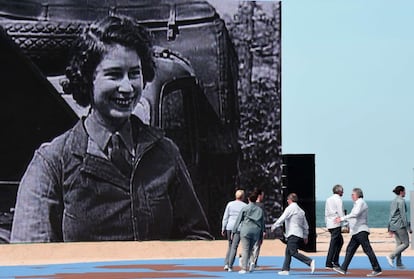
(50, 253)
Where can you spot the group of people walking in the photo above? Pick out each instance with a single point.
(398, 225)
(246, 222)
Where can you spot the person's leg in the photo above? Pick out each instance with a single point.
(295, 253)
(245, 242)
(226, 259)
(291, 248)
(402, 243)
(255, 252)
(338, 247)
(233, 250)
(252, 241)
(329, 256)
(397, 251)
(366, 247)
(335, 247)
(350, 252)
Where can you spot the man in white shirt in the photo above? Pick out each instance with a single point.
(334, 208)
(358, 224)
(297, 230)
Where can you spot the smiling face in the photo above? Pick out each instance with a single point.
(117, 84)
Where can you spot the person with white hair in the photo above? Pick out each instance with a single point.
(358, 225)
(334, 208)
(230, 215)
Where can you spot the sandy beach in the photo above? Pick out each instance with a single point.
(47, 253)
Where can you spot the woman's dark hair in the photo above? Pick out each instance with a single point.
(258, 190)
(253, 196)
(398, 189)
(92, 45)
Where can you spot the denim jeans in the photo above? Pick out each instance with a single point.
(358, 239)
(335, 246)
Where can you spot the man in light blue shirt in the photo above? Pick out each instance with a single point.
(358, 224)
(230, 215)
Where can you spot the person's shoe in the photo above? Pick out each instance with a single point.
(242, 271)
(229, 269)
(336, 265)
(328, 267)
(390, 261)
(226, 267)
(251, 267)
(258, 267)
(283, 272)
(374, 273)
(339, 270)
(401, 266)
(312, 266)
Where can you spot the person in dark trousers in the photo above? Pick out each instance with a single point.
(399, 227)
(297, 231)
(110, 177)
(334, 208)
(230, 215)
(358, 224)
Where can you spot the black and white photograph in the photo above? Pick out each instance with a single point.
(136, 120)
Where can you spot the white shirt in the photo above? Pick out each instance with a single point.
(333, 208)
(358, 218)
(295, 221)
(231, 213)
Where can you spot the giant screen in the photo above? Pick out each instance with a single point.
(216, 92)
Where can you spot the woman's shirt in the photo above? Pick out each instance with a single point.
(398, 215)
(250, 220)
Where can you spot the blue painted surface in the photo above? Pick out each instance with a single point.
(194, 268)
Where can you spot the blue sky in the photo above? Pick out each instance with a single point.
(347, 92)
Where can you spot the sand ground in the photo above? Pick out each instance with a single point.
(49, 253)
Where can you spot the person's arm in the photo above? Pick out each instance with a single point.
(225, 219)
(263, 224)
(239, 219)
(305, 228)
(339, 207)
(190, 221)
(279, 222)
(393, 209)
(403, 213)
(355, 212)
(38, 211)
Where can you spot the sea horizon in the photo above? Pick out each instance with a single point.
(378, 212)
